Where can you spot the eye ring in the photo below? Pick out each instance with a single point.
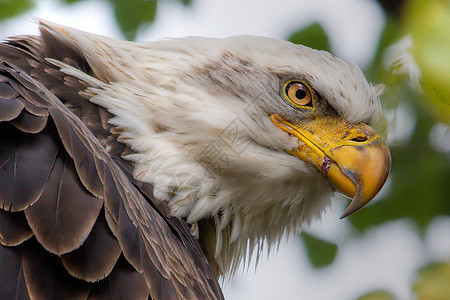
(299, 94)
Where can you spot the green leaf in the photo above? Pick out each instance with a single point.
(12, 8)
(377, 295)
(312, 36)
(321, 253)
(132, 14)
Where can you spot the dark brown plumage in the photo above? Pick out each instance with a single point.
(74, 223)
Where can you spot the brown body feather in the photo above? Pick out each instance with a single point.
(74, 223)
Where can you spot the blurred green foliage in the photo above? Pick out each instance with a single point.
(420, 173)
(313, 36)
(12, 8)
(428, 22)
(419, 189)
(433, 282)
(321, 253)
(131, 15)
(377, 295)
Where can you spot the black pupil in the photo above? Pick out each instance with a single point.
(300, 93)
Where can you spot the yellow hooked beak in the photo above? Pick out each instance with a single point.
(353, 157)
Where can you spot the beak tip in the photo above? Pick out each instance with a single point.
(346, 213)
(372, 171)
(353, 207)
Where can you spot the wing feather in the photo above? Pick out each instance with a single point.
(14, 228)
(123, 283)
(85, 164)
(112, 237)
(12, 283)
(66, 212)
(98, 255)
(10, 108)
(29, 123)
(26, 161)
(45, 276)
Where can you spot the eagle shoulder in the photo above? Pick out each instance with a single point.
(73, 219)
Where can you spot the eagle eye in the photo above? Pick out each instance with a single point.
(298, 93)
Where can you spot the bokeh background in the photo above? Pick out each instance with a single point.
(399, 246)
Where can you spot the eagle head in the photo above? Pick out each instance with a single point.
(247, 138)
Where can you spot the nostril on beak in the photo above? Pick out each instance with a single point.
(359, 139)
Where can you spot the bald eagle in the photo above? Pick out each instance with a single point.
(146, 170)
